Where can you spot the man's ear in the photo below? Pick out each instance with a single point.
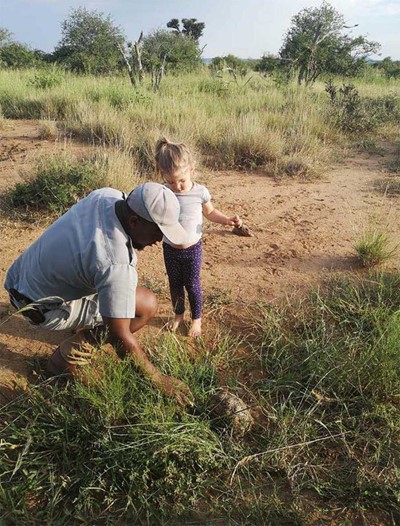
(133, 220)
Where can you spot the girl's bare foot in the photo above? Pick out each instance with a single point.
(174, 324)
(195, 329)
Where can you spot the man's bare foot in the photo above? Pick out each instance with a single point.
(195, 329)
(174, 324)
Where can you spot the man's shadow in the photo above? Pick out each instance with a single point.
(14, 324)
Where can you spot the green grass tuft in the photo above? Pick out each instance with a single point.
(374, 247)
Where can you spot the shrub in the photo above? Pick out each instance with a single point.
(46, 79)
(348, 110)
(58, 184)
(355, 114)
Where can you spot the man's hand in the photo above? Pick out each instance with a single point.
(174, 388)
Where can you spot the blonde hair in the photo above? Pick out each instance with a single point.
(171, 156)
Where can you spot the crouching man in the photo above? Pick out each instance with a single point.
(81, 275)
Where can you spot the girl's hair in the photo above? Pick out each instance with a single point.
(171, 156)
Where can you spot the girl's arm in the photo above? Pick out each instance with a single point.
(214, 215)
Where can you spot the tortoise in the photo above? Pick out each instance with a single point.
(230, 412)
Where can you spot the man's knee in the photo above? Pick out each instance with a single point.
(146, 303)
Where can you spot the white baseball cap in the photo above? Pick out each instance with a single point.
(157, 203)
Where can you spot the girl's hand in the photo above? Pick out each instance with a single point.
(235, 221)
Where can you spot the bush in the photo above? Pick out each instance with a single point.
(58, 184)
(46, 79)
(354, 114)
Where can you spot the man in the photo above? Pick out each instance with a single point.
(80, 275)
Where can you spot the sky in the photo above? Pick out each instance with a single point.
(245, 28)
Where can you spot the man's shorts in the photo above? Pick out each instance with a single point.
(59, 315)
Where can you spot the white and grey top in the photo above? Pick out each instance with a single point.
(86, 251)
(191, 214)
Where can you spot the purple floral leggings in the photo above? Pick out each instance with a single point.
(183, 268)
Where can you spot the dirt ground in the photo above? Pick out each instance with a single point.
(302, 232)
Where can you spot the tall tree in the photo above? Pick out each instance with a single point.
(190, 27)
(175, 50)
(317, 42)
(90, 42)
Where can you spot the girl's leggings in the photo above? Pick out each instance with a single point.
(183, 268)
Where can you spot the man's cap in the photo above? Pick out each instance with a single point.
(157, 203)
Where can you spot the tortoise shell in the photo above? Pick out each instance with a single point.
(230, 412)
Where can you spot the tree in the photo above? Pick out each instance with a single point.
(190, 27)
(178, 52)
(391, 68)
(14, 54)
(90, 42)
(268, 63)
(132, 56)
(230, 62)
(17, 55)
(5, 36)
(316, 43)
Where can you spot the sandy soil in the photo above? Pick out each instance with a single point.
(302, 232)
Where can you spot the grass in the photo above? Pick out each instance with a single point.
(374, 247)
(324, 447)
(254, 124)
(251, 125)
(332, 380)
(389, 186)
(48, 130)
(113, 448)
(393, 166)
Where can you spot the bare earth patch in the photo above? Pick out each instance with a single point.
(302, 231)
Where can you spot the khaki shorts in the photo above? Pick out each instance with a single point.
(60, 315)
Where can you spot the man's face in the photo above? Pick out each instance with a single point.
(144, 234)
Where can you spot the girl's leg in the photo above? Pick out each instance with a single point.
(191, 273)
(175, 277)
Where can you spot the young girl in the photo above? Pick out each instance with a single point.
(183, 262)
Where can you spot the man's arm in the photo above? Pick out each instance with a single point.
(120, 331)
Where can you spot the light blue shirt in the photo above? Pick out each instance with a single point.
(191, 214)
(86, 251)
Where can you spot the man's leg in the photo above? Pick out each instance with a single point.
(146, 308)
(77, 350)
